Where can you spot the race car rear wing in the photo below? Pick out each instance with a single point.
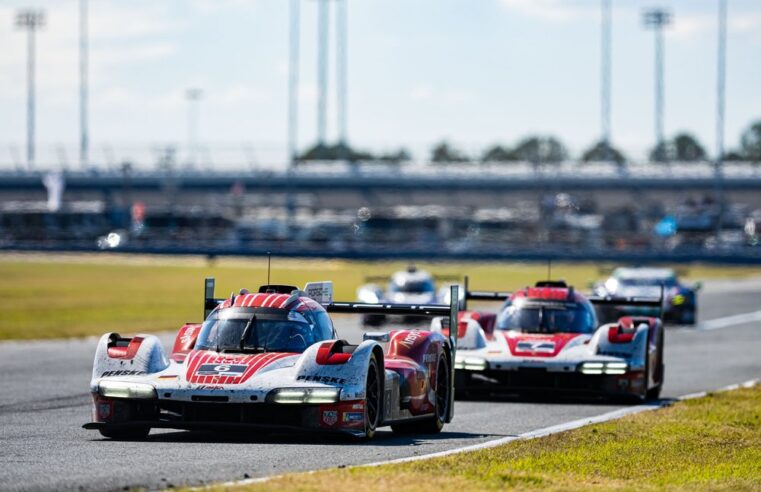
(607, 301)
(322, 292)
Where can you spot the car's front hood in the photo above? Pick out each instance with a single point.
(539, 344)
(209, 367)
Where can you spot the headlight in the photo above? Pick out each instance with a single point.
(603, 367)
(305, 395)
(470, 363)
(122, 389)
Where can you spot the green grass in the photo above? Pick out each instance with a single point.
(711, 443)
(78, 295)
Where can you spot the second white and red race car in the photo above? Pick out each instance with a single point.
(547, 338)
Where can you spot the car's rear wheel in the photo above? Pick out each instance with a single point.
(373, 395)
(125, 433)
(433, 425)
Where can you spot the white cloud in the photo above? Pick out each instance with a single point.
(238, 94)
(426, 93)
(550, 10)
(421, 93)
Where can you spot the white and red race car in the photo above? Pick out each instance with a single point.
(271, 361)
(547, 338)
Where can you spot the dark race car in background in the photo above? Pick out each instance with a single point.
(272, 361)
(547, 338)
(679, 299)
(410, 286)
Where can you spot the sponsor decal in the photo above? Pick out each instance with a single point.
(122, 373)
(234, 370)
(330, 417)
(353, 416)
(536, 346)
(410, 339)
(105, 410)
(210, 387)
(188, 335)
(320, 379)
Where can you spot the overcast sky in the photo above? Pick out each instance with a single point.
(472, 71)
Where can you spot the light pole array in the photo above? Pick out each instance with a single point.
(657, 19)
(31, 21)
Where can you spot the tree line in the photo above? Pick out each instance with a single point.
(682, 147)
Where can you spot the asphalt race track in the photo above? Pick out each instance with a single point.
(45, 400)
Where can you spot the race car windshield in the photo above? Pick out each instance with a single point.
(549, 318)
(647, 282)
(413, 287)
(252, 332)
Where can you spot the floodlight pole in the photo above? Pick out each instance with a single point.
(657, 19)
(323, 20)
(605, 77)
(720, 111)
(193, 96)
(84, 139)
(31, 21)
(341, 69)
(293, 82)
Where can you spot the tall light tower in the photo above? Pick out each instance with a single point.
(720, 83)
(605, 77)
(341, 70)
(293, 81)
(323, 27)
(657, 19)
(193, 95)
(720, 102)
(31, 21)
(84, 139)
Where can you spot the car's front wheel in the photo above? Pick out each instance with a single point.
(373, 398)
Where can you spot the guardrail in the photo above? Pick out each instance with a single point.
(722, 257)
(490, 176)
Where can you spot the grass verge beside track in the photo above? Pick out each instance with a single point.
(710, 443)
(55, 296)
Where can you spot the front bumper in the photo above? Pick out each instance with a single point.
(536, 380)
(345, 416)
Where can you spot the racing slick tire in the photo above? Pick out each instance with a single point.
(660, 372)
(432, 425)
(125, 434)
(373, 398)
(688, 317)
(461, 384)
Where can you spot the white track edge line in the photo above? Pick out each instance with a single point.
(546, 431)
(727, 321)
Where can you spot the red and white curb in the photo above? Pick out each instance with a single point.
(546, 431)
